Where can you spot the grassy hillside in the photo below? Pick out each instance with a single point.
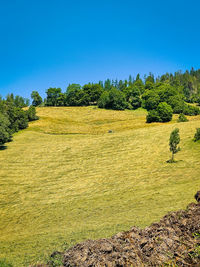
(66, 179)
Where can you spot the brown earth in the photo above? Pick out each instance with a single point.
(174, 241)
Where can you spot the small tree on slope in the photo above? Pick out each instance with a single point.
(174, 140)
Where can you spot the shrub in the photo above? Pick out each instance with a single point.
(152, 116)
(165, 112)
(31, 112)
(182, 118)
(191, 110)
(197, 135)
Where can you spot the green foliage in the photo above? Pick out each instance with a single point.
(31, 113)
(92, 92)
(53, 96)
(114, 99)
(13, 118)
(182, 118)
(191, 110)
(18, 118)
(197, 135)
(103, 100)
(4, 263)
(5, 133)
(17, 101)
(37, 99)
(132, 95)
(74, 95)
(152, 116)
(174, 140)
(151, 99)
(165, 112)
(177, 103)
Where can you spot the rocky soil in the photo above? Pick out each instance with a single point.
(174, 241)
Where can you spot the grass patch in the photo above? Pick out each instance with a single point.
(66, 179)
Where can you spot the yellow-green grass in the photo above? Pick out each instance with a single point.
(66, 179)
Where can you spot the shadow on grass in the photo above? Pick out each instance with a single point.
(173, 161)
(3, 147)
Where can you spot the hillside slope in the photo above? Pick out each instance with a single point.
(67, 178)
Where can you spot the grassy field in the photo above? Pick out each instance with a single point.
(66, 179)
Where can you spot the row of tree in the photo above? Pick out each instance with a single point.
(12, 116)
(161, 96)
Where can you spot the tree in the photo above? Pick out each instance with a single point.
(37, 99)
(5, 133)
(151, 99)
(103, 100)
(53, 95)
(132, 95)
(197, 135)
(93, 92)
(31, 113)
(114, 99)
(173, 143)
(75, 96)
(165, 112)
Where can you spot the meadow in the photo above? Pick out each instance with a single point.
(66, 178)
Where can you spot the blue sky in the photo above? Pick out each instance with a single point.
(51, 43)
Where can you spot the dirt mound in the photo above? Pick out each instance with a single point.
(174, 241)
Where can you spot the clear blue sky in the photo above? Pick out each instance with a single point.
(51, 43)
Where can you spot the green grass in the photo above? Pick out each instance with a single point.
(66, 179)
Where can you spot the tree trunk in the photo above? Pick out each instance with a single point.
(172, 157)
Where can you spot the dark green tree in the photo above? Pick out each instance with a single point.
(53, 95)
(31, 113)
(92, 92)
(75, 96)
(37, 99)
(114, 99)
(5, 133)
(165, 112)
(151, 99)
(103, 101)
(152, 116)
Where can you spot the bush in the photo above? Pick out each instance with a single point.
(165, 112)
(191, 110)
(31, 113)
(152, 116)
(182, 118)
(197, 135)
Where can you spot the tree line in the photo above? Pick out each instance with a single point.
(161, 96)
(13, 117)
